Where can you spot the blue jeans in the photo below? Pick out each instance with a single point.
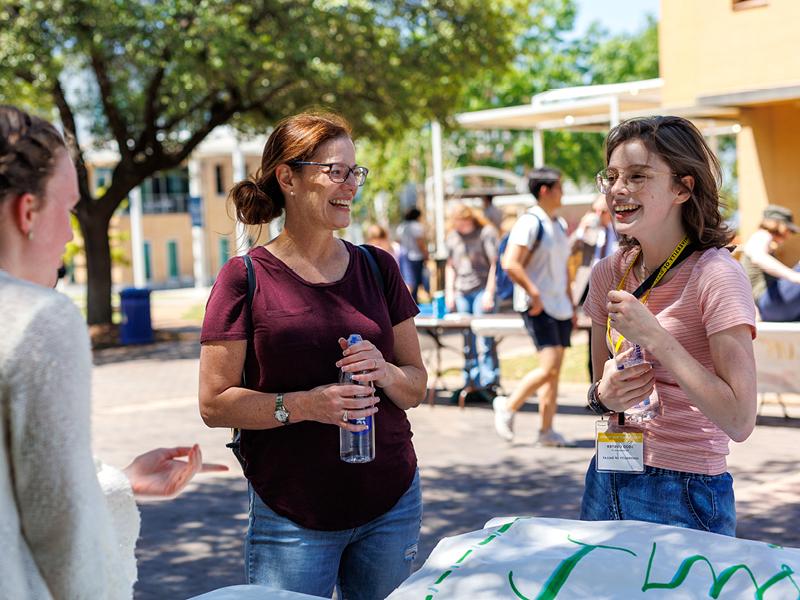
(781, 301)
(690, 500)
(412, 271)
(481, 367)
(366, 563)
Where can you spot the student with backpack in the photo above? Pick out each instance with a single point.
(536, 261)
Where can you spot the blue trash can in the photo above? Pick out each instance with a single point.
(136, 327)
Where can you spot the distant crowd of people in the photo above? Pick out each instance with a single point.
(672, 316)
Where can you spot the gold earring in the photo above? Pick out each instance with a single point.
(30, 234)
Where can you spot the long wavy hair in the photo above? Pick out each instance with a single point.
(681, 145)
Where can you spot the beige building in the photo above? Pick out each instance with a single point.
(731, 66)
(742, 54)
(174, 225)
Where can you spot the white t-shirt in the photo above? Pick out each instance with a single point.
(547, 267)
(408, 233)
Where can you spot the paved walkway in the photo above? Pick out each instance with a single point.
(147, 396)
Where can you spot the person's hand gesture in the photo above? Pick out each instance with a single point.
(631, 318)
(159, 473)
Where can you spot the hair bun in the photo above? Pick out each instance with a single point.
(253, 206)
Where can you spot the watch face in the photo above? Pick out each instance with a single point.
(282, 415)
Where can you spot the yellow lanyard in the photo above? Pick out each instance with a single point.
(666, 266)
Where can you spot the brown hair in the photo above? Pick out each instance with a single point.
(463, 211)
(259, 199)
(29, 147)
(681, 145)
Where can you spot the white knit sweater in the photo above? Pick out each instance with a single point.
(61, 535)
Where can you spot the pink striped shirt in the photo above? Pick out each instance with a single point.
(708, 294)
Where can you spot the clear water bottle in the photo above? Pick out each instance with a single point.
(649, 408)
(357, 446)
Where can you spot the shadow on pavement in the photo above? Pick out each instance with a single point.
(194, 543)
(463, 498)
(176, 349)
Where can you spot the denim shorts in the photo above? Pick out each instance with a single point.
(690, 500)
(365, 563)
(548, 331)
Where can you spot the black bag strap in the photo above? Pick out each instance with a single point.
(373, 265)
(235, 443)
(251, 288)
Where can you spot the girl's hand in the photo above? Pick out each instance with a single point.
(631, 318)
(336, 404)
(366, 362)
(619, 389)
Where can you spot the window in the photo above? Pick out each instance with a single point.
(148, 262)
(172, 259)
(166, 192)
(224, 250)
(743, 4)
(218, 175)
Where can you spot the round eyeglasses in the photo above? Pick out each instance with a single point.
(338, 172)
(633, 181)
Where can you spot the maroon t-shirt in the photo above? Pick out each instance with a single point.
(296, 469)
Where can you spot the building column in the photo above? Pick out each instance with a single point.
(196, 212)
(137, 237)
(239, 174)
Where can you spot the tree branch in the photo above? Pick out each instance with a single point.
(73, 144)
(115, 120)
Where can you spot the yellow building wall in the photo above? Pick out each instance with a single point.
(706, 47)
(158, 230)
(219, 214)
(769, 166)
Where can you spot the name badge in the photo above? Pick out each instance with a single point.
(618, 451)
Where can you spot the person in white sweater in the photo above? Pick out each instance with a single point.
(68, 524)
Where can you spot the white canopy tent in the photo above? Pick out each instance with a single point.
(593, 108)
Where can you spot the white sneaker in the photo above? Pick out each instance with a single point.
(503, 418)
(552, 439)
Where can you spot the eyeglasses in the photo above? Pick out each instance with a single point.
(633, 181)
(338, 172)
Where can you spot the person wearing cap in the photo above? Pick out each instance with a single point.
(776, 287)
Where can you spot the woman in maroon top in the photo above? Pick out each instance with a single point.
(316, 522)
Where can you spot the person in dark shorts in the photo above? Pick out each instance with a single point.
(316, 523)
(536, 261)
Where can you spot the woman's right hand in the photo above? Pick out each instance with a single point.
(329, 402)
(619, 389)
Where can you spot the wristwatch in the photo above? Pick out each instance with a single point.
(281, 414)
(595, 404)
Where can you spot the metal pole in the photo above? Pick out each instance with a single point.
(613, 111)
(538, 148)
(438, 188)
(137, 237)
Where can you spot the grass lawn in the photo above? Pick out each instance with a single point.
(195, 313)
(573, 369)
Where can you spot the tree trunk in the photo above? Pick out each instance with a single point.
(98, 269)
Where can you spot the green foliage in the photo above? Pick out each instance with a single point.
(157, 76)
(549, 58)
